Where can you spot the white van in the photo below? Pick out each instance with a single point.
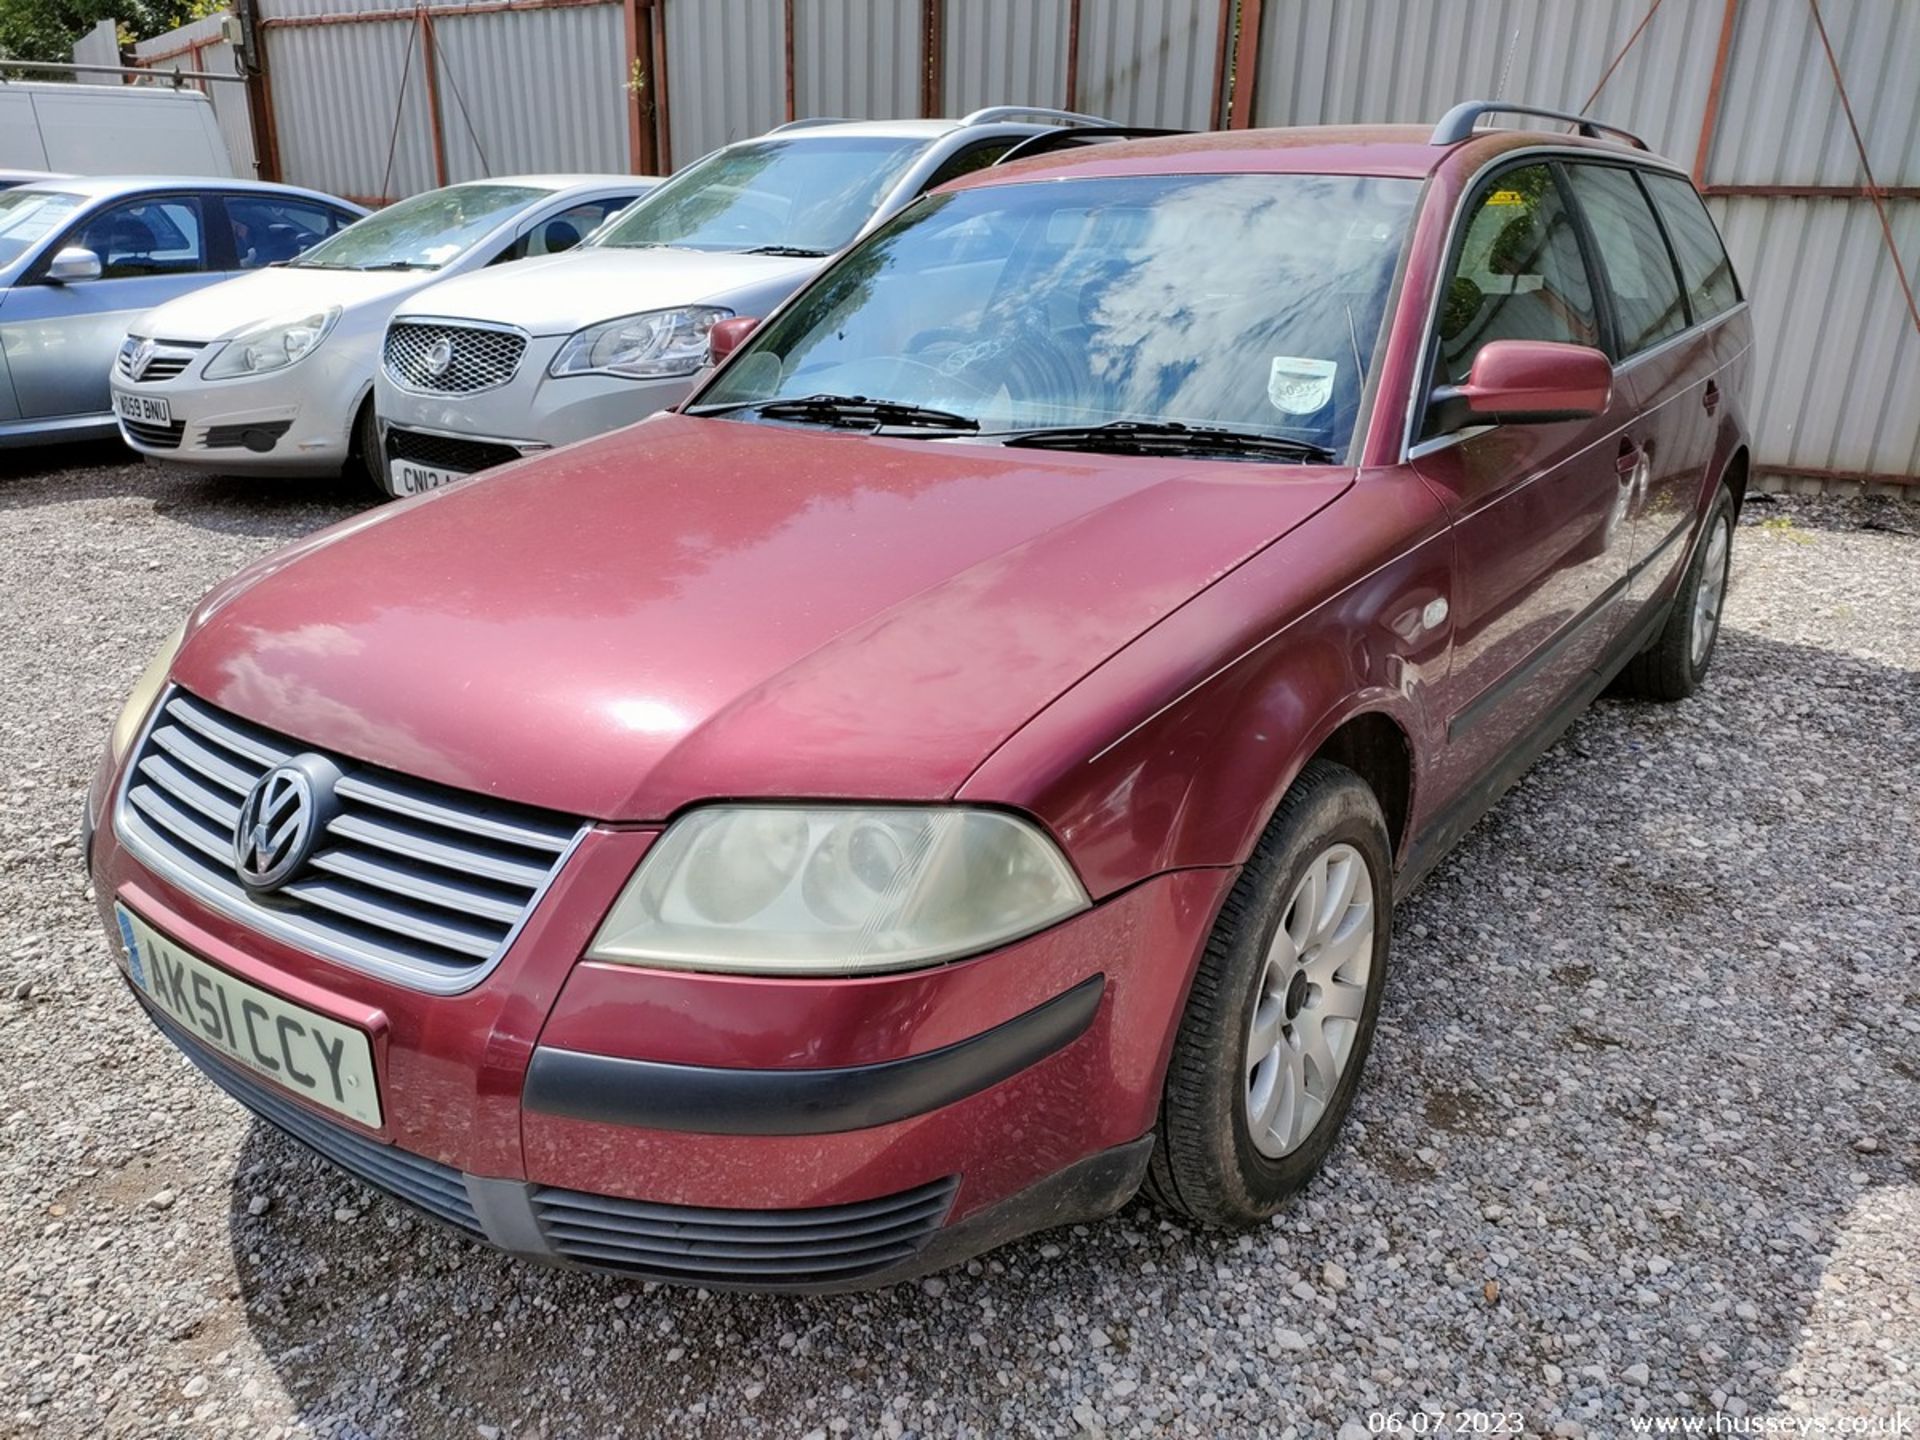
(110, 130)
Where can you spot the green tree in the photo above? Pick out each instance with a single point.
(47, 29)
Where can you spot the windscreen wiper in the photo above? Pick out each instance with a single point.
(398, 265)
(849, 411)
(1166, 437)
(799, 251)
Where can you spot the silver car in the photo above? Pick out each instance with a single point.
(80, 258)
(270, 374)
(485, 369)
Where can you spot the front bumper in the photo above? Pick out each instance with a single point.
(737, 1132)
(283, 423)
(533, 411)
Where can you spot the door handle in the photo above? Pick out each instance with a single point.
(1710, 397)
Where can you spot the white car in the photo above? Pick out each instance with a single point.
(488, 368)
(271, 374)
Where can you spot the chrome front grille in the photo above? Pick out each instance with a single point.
(409, 879)
(451, 359)
(168, 359)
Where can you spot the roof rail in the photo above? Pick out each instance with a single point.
(811, 121)
(994, 114)
(1047, 141)
(1457, 124)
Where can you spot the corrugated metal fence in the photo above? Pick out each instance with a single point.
(374, 99)
(203, 46)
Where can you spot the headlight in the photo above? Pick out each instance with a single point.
(272, 346)
(146, 690)
(785, 890)
(641, 347)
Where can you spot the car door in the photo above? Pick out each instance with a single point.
(1539, 514)
(1668, 363)
(60, 339)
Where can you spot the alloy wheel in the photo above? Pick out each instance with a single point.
(1710, 593)
(1309, 1001)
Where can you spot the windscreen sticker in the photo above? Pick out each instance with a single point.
(1300, 386)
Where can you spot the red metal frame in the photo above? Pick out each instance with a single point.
(933, 64)
(1822, 472)
(373, 17)
(1866, 166)
(1246, 65)
(1818, 192)
(1614, 64)
(1710, 119)
(430, 68)
(662, 115)
(1221, 67)
(786, 21)
(1073, 55)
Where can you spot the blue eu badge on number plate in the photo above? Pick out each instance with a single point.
(134, 962)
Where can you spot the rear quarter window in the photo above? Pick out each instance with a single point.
(1704, 266)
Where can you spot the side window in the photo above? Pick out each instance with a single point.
(1519, 275)
(267, 229)
(147, 237)
(968, 159)
(1711, 288)
(1639, 271)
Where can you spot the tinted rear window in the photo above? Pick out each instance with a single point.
(1711, 288)
(1639, 272)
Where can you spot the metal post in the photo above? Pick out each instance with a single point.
(786, 21)
(1710, 120)
(1073, 55)
(431, 67)
(1246, 65)
(662, 113)
(1222, 66)
(933, 56)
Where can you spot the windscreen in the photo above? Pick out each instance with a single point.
(422, 233)
(800, 195)
(29, 216)
(1244, 301)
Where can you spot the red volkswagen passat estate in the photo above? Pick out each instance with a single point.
(961, 768)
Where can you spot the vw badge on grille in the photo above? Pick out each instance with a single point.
(439, 357)
(281, 820)
(141, 358)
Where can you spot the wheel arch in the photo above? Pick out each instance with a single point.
(1735, 473)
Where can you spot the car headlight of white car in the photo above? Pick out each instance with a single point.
(836, 890)
(271, 346)
(648, 346)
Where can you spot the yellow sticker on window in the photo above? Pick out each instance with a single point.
(1506, 197)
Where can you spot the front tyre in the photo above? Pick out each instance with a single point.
(366, 449)
(1675, 664)
(1277, 1026)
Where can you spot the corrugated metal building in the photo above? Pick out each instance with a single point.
(376, 99)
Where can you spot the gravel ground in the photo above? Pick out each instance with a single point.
(1639, 1137)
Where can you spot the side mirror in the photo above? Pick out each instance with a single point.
(1528, 381)
(729, 335)
(71, 264)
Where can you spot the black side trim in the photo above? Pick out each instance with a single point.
(1490, 698)
(713, 1101)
